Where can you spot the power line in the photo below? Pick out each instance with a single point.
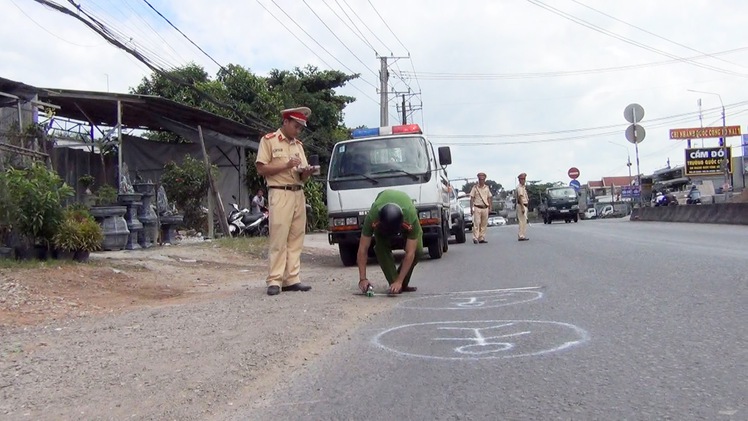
(47, 30)
(152, 29)
(353, 23)
(652, 33)
(534, 75)
(367, 26)
(365, 41)
(388, 26)
(312, 38)
(182, 33)
(338, 38)
(596, 28)
(109, 35)
(652, 123)
(314, 52)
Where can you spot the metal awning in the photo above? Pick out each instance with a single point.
(146, 112)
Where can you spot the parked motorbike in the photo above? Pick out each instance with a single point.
(243, 222)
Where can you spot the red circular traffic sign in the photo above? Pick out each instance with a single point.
(573, 173)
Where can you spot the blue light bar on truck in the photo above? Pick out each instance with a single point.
(387, 130)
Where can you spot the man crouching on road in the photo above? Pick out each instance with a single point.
(391, 215)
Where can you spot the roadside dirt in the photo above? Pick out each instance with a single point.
(181, 332)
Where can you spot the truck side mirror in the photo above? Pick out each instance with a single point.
(445, 155)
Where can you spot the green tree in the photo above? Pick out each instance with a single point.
(535, 191)
(238, 94)
(495, 187)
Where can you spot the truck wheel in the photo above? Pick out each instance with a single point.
(348, 254)
(567, 221)
(576, 218)
(460, 236)
(435, 248)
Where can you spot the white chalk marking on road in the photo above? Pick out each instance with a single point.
(479, 300)
(493, 350)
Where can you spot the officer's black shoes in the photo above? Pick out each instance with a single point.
(274, 290)
(483, 241)
(523, 239)
(297, 287)
(475, 241)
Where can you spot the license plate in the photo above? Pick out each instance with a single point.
(564, 210)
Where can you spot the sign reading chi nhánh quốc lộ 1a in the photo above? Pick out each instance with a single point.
(705, 132)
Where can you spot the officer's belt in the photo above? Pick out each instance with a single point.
(293, 187)
(481, 206)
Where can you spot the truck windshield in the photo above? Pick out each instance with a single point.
(562, 193)
(379, 158)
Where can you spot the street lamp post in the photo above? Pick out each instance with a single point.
(725, 160)
(628, 164)
(628, 157)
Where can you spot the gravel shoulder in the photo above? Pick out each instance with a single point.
(183, 332)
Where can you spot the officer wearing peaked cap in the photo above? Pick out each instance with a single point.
(299, 114)
(523, 200)
(281, 160)
(480, 208)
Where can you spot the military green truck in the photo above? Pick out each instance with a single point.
(559, 203)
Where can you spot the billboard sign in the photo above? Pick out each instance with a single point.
(630, 192)
(707, 161)
(704, 132)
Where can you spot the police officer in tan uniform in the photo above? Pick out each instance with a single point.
(281, 160)
(480, 207)
(523, 200)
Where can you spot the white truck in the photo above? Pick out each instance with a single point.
(393, 157)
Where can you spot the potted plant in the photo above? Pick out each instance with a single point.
(78, 235)
(86, 181)
(36, 193)
(106, 195)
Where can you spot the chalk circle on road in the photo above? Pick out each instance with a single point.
(473, 300)
(483, 339)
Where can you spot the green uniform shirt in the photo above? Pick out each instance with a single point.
(411, 225)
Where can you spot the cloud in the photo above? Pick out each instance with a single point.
(464, 38)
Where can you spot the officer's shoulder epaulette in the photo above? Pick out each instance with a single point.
(269, 135)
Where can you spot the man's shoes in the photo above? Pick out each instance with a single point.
(475, 241)
(483, 241)
(296, 287)
(409, 289)
(523, 239)
(274, 290)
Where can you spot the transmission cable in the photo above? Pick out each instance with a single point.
(652, 33)
(338, 38)
(598, 29)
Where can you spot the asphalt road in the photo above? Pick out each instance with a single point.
(599, 320)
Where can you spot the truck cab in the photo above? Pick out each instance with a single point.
(559, 203)
(393, 157)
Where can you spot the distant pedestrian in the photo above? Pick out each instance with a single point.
(258, 202)
(523, 201)
(480, 207)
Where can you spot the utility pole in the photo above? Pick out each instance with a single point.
(405, 118)
(383, 90)
(384, 77)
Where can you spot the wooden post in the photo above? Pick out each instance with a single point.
(216, 195)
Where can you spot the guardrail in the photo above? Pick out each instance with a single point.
(718, 213)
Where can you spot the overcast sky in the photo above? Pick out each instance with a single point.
(510, 85)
